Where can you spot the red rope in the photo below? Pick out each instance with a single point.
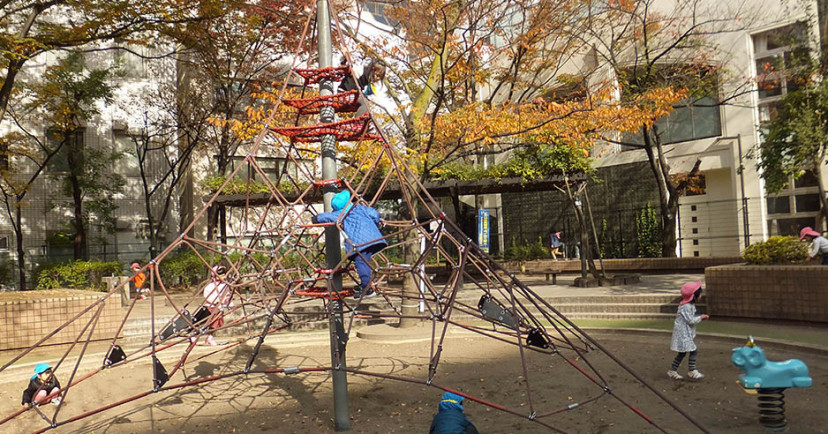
(320, 292)
(315, 75)
(348, 130)
(327, 182)
(344, 102)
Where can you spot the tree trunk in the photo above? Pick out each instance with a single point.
(11, 75)
(587, 262)
(18, 238)
(410, 290)
(668, 199)
(79, 241)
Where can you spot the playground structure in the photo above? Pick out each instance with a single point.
(769, 380)
(280, 262)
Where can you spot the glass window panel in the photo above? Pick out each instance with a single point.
(797, 57)
(779, 205)
(769, 65)
(807, 202)
(633, 138)
(808, 179)
(706, 119)
(60, 162)
(793, 84)
(784, 36)
(679, 125)
(769, 111)
(792, 226)
(770, 87)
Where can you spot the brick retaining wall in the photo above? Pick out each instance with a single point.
(789, 292)
(635, 264)
(26, 317)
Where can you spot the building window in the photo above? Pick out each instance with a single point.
(131, 59)
(54, 139)
(377, 9)
(778, 55)
(270, 166)
(796, 206)
(696, 117)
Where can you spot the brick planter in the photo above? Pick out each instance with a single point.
(788, 292)
(26, 317)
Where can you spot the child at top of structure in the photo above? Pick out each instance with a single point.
(363, 237)
(139, 279)
(450, 418)
(42, 385)
(372, 74)
(217, 298)
(684, 331)
(819, 244)
(369, 82)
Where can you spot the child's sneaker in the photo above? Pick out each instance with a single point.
(695, 374)
(675, 375)
(369, 293)
(357, 293)
(55, 401)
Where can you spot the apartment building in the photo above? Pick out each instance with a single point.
(730, 208)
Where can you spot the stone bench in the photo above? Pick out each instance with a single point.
(547, 272)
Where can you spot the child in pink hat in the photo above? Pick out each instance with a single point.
(819, 244)
(684, 331)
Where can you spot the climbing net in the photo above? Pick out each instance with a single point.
(276, 272)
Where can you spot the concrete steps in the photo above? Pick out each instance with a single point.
(602, 307)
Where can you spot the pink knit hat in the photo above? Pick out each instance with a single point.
(135, 265)
(687, 291)
(807, 231)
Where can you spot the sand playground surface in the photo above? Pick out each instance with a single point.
(271, 403)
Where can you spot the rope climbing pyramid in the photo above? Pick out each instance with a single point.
(276, 260)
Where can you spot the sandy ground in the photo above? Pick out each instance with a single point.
(270, 403)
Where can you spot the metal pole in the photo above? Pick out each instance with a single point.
(745, 215)
(678, 225)
(339, 376)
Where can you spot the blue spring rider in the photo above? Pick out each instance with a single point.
(769, 380)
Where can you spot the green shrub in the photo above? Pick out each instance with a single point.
(776, 250)
(648, 233)
(538, 250)
(77, 275)
(236, 185)
(183, 268)
(611, 245)
(526, 252)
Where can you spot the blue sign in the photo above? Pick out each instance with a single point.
(483, 230)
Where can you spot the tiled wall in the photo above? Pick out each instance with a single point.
(635, 264)
(24, 322)
(768, 292)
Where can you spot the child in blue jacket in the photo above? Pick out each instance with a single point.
(364, 239)
(450, 418)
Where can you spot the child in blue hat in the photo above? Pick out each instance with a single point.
(450, 418)
(364, 238)
(42, 385)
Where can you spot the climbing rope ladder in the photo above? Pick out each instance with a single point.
(280, 283)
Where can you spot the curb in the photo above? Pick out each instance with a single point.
(737, 340)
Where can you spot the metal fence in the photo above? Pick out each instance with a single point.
(704, 228)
